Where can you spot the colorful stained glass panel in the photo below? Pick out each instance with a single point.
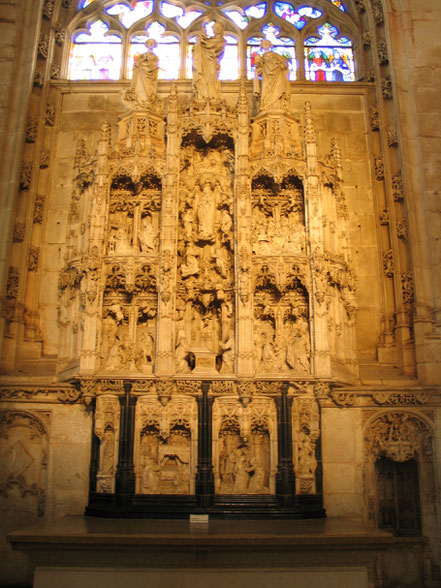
(282, 45)
(328, 38)
(127, 15)
(95, 61)
(328, 64)
(239, 19)
(297, 18)
(256, 11)
(95, 55)
(183, 18)
(339, 4)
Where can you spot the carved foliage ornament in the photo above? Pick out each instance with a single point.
(374, 118)
(399, 436)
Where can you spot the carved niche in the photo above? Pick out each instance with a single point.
(165, 442)
(281, 319)
(278, 221)
(244, 445)
(205, 332)
(399, 436)
(106, 428)
(23, 468)
(128, 329)
(306, 431)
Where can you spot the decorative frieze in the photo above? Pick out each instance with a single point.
(402, 398)
(49, 115)
(342, 398)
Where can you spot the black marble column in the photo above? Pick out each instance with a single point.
(204, 474)
(285, 479)
(94, 457)
(125, 471)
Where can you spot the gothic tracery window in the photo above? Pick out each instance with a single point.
(107, 35)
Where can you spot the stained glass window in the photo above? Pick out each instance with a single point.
(298, 18)
(229, 64)
(127, 15)
(167, 50)
(328, 58)
(339, 4)
(282, 45)
(95, 55)
(242, 17)
(96, 52)
(183, 18)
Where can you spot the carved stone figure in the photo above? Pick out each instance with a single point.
(227, 347)
(108, 452)
(145, 75)
(122, 244)
(206, 210)
(207, 53)
(190, 267)
(273, 68)
(181, 351)
(147, 235)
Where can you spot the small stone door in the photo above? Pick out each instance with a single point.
(398, 496)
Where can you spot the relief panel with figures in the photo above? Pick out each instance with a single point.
(205, 291)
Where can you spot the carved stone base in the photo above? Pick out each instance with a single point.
(205, 362)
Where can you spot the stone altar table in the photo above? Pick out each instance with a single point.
(76, 551)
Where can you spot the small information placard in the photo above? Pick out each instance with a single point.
(199, 519)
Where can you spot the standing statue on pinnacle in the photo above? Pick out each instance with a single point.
(207, 52)
(273, 69)
(145, 75)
